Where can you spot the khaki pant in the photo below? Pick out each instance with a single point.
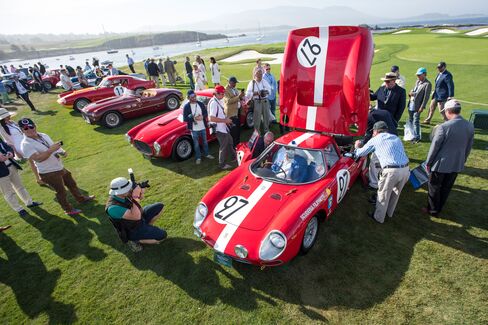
(390, 186)
(163, 79)
(226, 147)
(261, 114)
(58, 181)
(432, 106)
(373, 171)
(10, 186)
(156, 80)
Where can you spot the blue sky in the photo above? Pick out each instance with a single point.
(87, 16)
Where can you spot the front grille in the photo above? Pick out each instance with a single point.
(143, 147)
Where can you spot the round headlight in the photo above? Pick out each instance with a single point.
(272, 246)
(200, 213)
(127, 137)
(277, 240)
(240, 251)
(157, 147)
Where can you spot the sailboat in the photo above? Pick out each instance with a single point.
(198, 44)
(110, 51)
(155, 48)
(260, 35)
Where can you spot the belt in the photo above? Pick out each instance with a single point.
(395, 166)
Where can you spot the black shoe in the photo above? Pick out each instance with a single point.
(372, 199)
(34, 204)
(23, 213)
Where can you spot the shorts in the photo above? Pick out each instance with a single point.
(145, 230)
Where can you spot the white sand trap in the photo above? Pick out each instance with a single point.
(444, 31)
(403, 31)
(477, 32)
(251, 55)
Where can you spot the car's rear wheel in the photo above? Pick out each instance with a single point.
(250, 120)
(310, 235)
(112, 119)
(80, 103)
(183, 149)
(139, 90)
(172, 102)
(47, 85)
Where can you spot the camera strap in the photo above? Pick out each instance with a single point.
(42, 141)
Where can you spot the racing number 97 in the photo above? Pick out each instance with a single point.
(314, 49)
(231, 206)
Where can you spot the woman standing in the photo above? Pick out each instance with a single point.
(199, 78)
(215, 70)
(81, 77)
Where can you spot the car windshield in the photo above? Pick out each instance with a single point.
(105, 83)
(289, 164)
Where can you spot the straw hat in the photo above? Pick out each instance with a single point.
(4, 113)
(390, 76)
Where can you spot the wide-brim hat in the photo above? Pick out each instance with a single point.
(4, 113)
(390, 76)
(119, 186)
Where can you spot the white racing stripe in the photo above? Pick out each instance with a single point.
(240, 216)
(318, 94)
(301, 138)
(311, 117)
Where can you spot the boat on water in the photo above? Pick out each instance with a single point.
(112, 51)
(71, 58)
(260, 34)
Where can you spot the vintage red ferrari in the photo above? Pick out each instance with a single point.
(167, 135)
(107, 88)
(112, 112)
(267, 210)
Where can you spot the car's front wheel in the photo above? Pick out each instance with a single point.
(250, 120)
(310, 235)
(80, 103)
(183, 149)
(172, 102)
(112, 119)
(47, 85)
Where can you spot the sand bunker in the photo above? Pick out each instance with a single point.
(252, 55)
(477, 32)
(403, 31)
(444, 31)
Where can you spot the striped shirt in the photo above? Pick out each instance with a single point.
(387, 147)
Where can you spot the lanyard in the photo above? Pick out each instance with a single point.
(42, 141)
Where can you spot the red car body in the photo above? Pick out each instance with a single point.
(112, 111)
(50, 79)
(80, 98)
(167, 135)
(266, 211)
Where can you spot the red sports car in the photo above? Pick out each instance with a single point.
(80, 98)
(167, 135)
(112, 111)
(50, 79)
(268, 209)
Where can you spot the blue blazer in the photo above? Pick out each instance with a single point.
(444, 87)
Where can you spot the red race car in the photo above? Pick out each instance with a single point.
(107, 88)
(167, 135)
(49, 80)
(268, 209)
(112, 111)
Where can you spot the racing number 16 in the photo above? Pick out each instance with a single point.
(231, 206)
(313, 51)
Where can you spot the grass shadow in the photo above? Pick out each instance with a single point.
(49, 113)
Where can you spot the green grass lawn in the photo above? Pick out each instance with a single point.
(413, 269)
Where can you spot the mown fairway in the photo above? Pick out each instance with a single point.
(411, 270)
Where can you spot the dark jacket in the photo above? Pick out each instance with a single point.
(444, 86)
(394, 103)
(376, 115)
(188, 67)
(188, 116)
(4, 149)
(42, 68)
(123, 226)
(152, 69)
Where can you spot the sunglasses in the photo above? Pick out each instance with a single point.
(28, 127)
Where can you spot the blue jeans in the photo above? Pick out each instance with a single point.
(196, 145)
(146, 230)
(272, 106)
(414, 118)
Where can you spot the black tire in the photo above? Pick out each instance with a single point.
(249, 120)
(47, 85)
(112, 119)
(80, 103)
(310, 235)
(183, 149)
(172, 102)
(139, 90)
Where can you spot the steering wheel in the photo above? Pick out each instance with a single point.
(279, 171)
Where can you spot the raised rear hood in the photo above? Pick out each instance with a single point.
(159, 126)
(325, 79)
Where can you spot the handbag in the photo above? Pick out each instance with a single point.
(408, 133)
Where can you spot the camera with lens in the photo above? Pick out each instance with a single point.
(263, 93)
(144, 184)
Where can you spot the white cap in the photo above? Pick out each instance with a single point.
(452, 103)
(120, 185)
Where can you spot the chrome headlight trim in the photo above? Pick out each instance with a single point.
(201, 213)
(240, 251)
(269, 249)
(157, 147)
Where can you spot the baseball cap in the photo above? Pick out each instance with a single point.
(380, 125)
(452, 103)
(394, 68)
(220, 89)
(233, 79)
(26, 122)
(421, 70)
(190, 93)
(441, 64)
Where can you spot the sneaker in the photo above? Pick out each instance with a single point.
(198, 161)
(426, 122)
(22, 213)
(226, 166)
(73, 212)
(4, 228)
(209, 157)
(34, 204)
(88, 198)
(134, 246)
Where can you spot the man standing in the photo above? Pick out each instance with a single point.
(390, 97)
(38, 80)
(443, 91)
(10, 183)
(130, 63)
(189, 72)
(447, 155)
(47, 157)
(113, 71)
(400, 81)
(232, 105)
(394, 164)
(258, 90)
(42, 68)
(169, 67)
(161, 72)
(419, 97)
(153, 71)
(268, 76)
(195, 115)
(87, 67)
(221, 123)
(23, 93)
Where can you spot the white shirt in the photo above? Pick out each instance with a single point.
(214, 68)
(20, 88)
(203, 69)
(32, 146)
(22, 75)
(197, 111)
(216, 109)
(15, 137)
(257, 86)
(401, 81)
(66, 82)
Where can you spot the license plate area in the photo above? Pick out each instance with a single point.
(222, 259)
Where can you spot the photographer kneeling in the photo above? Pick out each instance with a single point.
(133, 222)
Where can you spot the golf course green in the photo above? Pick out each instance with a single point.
(414, 269)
